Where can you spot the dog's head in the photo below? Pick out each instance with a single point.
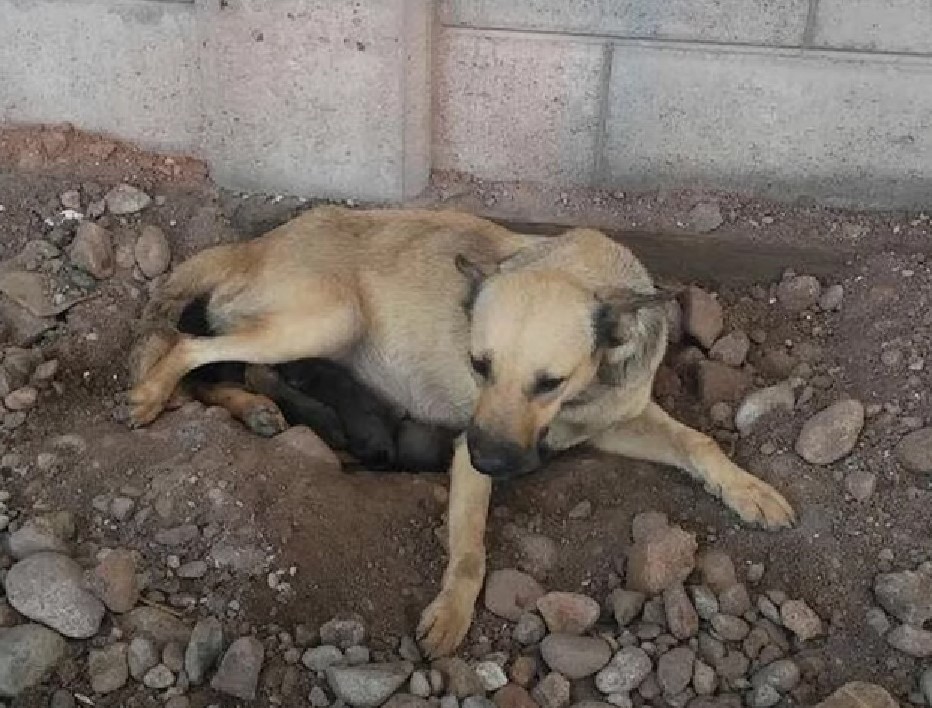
(537, 340)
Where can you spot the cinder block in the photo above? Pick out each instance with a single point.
(876, 25)
(513, 106)
(127, 68)
(769, 22)
(835, 127)
(322, 97)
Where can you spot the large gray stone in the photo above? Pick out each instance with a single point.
(370, 685)
(203, 649)
(238, 674)
(49, 588)
(27, 653)
(573, 656)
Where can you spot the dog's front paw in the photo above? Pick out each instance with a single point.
(756, 502)
(444, 623)
(145, 403)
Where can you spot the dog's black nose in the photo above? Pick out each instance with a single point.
(494, 456)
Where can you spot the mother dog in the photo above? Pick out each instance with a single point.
(525, 343)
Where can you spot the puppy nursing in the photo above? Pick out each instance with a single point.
(523, 343)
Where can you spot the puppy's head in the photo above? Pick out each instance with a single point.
(537, 339)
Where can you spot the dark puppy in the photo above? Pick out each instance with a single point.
(325, 397)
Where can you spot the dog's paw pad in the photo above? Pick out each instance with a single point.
(444, 625)
(265, 420)
(756, 502)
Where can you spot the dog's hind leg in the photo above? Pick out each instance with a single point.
(270, 339)
(446, 620)
(657, 437)
(255, 411)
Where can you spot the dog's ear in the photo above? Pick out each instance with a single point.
(614, 304)
(475, 275)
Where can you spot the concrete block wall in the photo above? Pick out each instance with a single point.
(786, 98)
(826, 99)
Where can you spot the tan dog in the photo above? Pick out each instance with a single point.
(523, 342)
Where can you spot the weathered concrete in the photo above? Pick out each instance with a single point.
(770, 22)
(324, 97)
(513, 106)
(840, 128)
(125, 67)
(875, 25)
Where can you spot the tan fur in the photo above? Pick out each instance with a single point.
(382, 292)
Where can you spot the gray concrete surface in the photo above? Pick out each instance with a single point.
(823, 98)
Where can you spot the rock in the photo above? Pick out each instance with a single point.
(731, 349)
(403, 700)
(71, 199)
(797, 294)
(675, 670)
(368, 686)
(27, 654)
(192, 569)
(529, 630)
(782, 674)
(420, 685)
(704, 680)
(762, 403)
(906, 595)
(305, 442)
(107, 668)
(157, 624)
(718, 383)
(704, 217)
(536, 554)
(113, 581)
(491, 675)
(408, 650)
(626, 605)
(92, 250)
(509, 593)
(859, 695)
(158, 677)
(513, 696)
(860, 484)
(914, 451)
(459, 677)
(343, 633)
(50, 532)
(704, 601)
(800, 619)
(141, 656)
(22, 399)
(322, 658)
(831, 434)
(877, 620)
(911, 640)
(552, 692)
(660, 559)
(62, 699)
(573, 656)
(49, 588)
(681, 616)
(523, 670)
(731, 629)
(568, 612)
(478, 702)
(126, 199)
(238, 674)
(121, 508)
(625, 672)
(764, 696)
(734, 600)
(177, 535)
(153, 254)
(925, 685)
(357, 655)
(703, 317)
(832, 298)
(203, 649)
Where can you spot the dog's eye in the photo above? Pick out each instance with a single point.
(547, 384)
(480, 365)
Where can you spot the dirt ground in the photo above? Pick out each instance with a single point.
(368, 544)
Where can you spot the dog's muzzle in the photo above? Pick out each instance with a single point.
(497, 457)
